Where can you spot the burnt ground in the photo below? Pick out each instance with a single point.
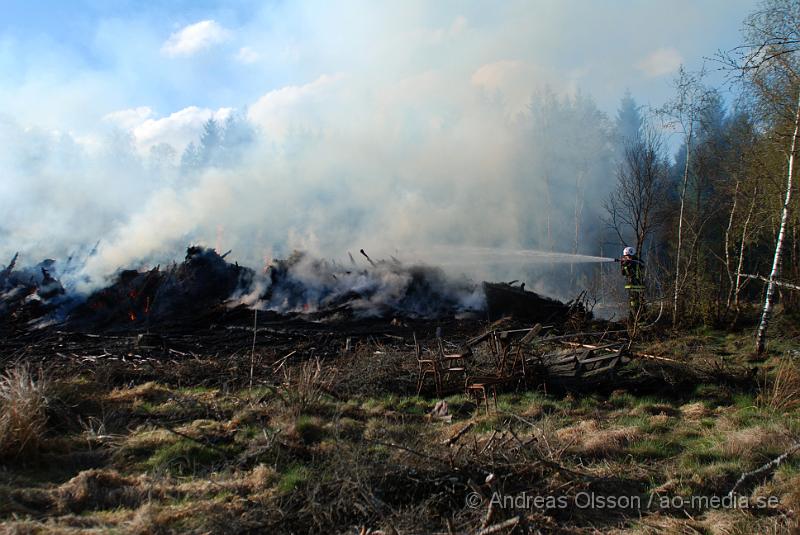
(163, 429)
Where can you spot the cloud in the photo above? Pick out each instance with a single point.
(194, 38)
(660, 62)
(130, 118)
(247, 55)
(176, 129)
(290, 107)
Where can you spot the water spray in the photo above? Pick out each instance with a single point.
(459, 255)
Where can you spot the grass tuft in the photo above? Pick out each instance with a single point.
(23, 417)
(293, 477)
(185, 457)
(781, 393)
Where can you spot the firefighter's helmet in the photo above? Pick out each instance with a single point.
(628, 251)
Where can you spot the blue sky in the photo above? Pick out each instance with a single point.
(68, 64)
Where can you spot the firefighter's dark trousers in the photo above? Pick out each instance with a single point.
(635, 297)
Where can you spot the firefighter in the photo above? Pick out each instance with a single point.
(633, 271)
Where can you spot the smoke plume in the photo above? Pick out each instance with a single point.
(415, 128)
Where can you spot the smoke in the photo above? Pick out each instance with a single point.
(409, 131)
(307, 285)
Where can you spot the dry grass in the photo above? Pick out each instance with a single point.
(99, 489)
(306, 386)
(23, 400)
(695, 411)
(588, 438)
(782, 392)
(340, 445)
(149, 391)
(658, 524)
(751, 441)
(738, 522)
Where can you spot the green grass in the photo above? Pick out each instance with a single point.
(641, 421)
(309, 429)
(621, 400)
(414, 405)
(489, 423)
(294, 476)
(195, 390)
(348, 428)
(653, 426)
(185, 457)
(247, 433)
(700, 452)
(654, 448)
(712, 394)
(388, 402)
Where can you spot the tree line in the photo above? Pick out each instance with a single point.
(718, 223)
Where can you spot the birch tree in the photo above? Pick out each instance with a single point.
(683, 113)
(768, 63)
(776, 259)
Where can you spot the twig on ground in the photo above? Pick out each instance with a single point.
(453, 439)
(774, 463)
(510, 523)
(489, 515)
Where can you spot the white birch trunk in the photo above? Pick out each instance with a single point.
(741, 252)
(680, 224)
(727, 247)
(776, 260)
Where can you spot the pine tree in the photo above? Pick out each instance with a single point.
(210, 143)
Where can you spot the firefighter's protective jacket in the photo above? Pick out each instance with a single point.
(633, 271)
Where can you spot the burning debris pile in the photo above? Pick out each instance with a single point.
(205, 284)
(324, 289)
(27, 294)
(182, 293)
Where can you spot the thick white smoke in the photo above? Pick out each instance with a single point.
(420, 127)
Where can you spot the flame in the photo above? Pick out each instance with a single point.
(132, 315)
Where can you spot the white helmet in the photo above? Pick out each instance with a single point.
(628, 251)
